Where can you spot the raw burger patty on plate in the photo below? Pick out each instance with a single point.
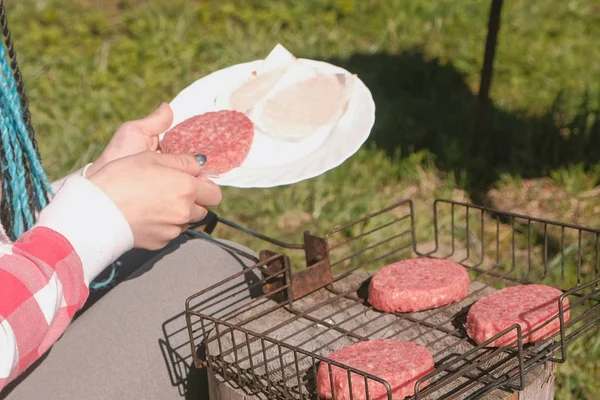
(225, 137)
(527, 305)
(418, 284)
(399, 362)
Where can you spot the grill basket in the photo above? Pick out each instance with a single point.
(269, 327)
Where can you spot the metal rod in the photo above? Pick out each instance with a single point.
(354, 238)
(520, 216)
(363, 219)
(261, 236)
(374, 260)
(367, 248)
(481, 138)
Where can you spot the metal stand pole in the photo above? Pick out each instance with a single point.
(486, 75)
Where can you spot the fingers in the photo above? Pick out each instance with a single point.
(181, 162)
(198, 213)
(159, 121)
(207, 193)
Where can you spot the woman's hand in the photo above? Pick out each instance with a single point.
(157, 194)
(135, 137)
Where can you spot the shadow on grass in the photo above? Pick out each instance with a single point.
(425, 105)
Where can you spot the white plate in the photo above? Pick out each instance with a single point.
(273, 162)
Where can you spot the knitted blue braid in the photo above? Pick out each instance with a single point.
(41, 184)
(8, 174)
(16, 143)
(9, 123)
(18, 186)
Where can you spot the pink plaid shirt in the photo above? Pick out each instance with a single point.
(45, 274)
(41, 288)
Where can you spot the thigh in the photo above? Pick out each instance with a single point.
(133, 343)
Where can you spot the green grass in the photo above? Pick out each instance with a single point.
(90, 65)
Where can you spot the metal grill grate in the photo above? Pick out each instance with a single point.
(270, 339)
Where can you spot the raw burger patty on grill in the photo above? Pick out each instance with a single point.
(225, 137)
(527, 305)
(418, 284)
(399, 362)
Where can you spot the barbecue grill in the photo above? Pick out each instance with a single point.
(267, 329)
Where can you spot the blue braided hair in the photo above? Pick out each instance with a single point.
(20, 158)
(25, 186)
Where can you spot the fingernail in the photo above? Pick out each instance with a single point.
(201, 159)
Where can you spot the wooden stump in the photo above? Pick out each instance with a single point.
(329, 321)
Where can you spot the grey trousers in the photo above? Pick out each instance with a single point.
(131, 342)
